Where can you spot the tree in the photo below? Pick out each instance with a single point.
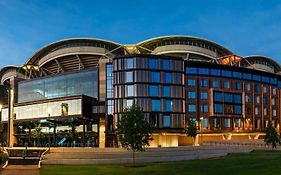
(37, 134)
(191, 129)
(134, 132)
(1, 133)
(271, 136)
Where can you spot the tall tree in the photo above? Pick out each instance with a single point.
(134, 132)
(271, 136)
(191, 129)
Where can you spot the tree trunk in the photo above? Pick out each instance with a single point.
(134, 157)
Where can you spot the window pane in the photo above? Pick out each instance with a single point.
(237, 86)
(204, 95)
(218, 96)
(204, 108)
(237, 109)
(129, 63)
(191, 70)
(218, 108)
(168, 105)
(228, 97)
(237, 98)
(226, 85)
(129, 76)
(216, 84)
(257, 88)
(166, 64)
(166, 121)
(191, 95)
(237, 75)
(168, 78)
(257, 77)
(204, 83)
(205, 123)
(226, 73)
(130, 90)
(153, 63)
(247, 76)
(215, 72)
(166, 91)
(191, 108)
(265, 79)
(155, 105)
(153, 90)
(155, 77)
(203, 71)
(191, 82)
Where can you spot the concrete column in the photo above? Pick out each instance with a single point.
(11, 138)
(102, 133)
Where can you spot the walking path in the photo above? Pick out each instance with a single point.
(121, 156)
(20, 170)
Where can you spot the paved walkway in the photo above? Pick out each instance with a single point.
(121, 156)
(20, 170)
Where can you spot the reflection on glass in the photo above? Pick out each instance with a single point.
(78, 83)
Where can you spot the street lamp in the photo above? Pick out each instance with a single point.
(49, 134)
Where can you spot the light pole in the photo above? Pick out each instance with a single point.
(49, 134)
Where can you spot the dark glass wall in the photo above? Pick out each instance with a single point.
(70, 84)
(155, 83)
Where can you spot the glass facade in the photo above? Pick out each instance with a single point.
(158, 88)
(43, 110)
(59, 86)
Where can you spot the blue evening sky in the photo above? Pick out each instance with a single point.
(247, 27)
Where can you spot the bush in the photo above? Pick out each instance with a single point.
(3, 157)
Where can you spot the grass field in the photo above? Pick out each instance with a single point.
(256, 163)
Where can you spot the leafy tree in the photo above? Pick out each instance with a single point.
(271, 136)
(1, 133)
(191, 129)
(38, 134)
(134, 132)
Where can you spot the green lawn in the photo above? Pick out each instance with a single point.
(256, 163)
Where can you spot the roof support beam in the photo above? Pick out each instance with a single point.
(81, 65)
(59, 65)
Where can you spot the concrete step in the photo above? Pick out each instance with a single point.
(129, 160)
(127, 154)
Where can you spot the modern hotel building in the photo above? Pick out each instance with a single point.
(76, 89)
